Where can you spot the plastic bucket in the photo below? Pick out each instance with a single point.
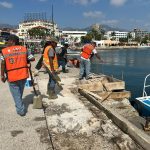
(28, 83)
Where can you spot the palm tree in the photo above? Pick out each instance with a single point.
(102, 32)
(129, 36)
(113, 34)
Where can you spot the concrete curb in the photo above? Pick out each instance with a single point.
(136, 134)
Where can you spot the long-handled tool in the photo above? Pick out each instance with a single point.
(37, 100)
(54, 77)
(39, 63)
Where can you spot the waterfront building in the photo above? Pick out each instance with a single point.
(36, 20)
(140, 33)
(72, 36)
(116, 35)
(106, 43)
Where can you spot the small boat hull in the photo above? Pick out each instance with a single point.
(143, 106)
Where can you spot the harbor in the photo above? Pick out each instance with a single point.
(80, 118)
(74, 81)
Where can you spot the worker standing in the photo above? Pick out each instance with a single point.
(62, 57)
(50, 59)
(14, 68)
(85, 64)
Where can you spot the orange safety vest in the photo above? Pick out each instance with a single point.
(87, 51)
(16, 62)
(46, 58)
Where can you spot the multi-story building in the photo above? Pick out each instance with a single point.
(36, 20)
(116, 35)
(140, 33)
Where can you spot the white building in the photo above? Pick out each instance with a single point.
(24, 27)
(116, 35)
(73, 36)
(105, 43)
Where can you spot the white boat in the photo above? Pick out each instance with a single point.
(143, 103)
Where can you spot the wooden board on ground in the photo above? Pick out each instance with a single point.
(115, 95)
(114, 84)
(97, 86)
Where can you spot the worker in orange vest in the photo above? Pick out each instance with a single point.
(85, 65)
(14, 69)
(50, 59)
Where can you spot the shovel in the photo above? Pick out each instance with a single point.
(54, 77)
(37, 100)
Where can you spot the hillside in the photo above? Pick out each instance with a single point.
(104, 27)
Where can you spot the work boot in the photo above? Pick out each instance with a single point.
(52, 94)
(64, 71)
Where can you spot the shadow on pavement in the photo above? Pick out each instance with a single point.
(28, 100)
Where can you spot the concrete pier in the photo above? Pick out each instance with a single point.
(69, 122)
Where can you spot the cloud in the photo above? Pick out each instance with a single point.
(94, 14)
(118, 2)
(6, 4)
(84, 2)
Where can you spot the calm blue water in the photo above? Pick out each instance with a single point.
(131, 64)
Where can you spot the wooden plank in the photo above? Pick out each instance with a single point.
(97, 86)
(115, 95)
(110, 86)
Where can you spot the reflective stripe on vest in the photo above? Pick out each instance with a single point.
(46, 58)
(87, 51)
(16, 62)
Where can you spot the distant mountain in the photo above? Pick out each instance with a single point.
(108, 28)
(72, 29)
(104, 27)
(8, 26)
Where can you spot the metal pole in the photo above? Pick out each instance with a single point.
(52, 21)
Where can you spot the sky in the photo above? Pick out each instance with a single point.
(125, 14)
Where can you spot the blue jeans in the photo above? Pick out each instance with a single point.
(62, 63)
(16, 89)
(51, 83)
(85, 67)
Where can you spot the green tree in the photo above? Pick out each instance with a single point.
(86, 39)
(93, 34)
(38, 32)
(113, 34)
(129, 36)
(102, 32)
(144, 40)
(96, 35)
(123, 40)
